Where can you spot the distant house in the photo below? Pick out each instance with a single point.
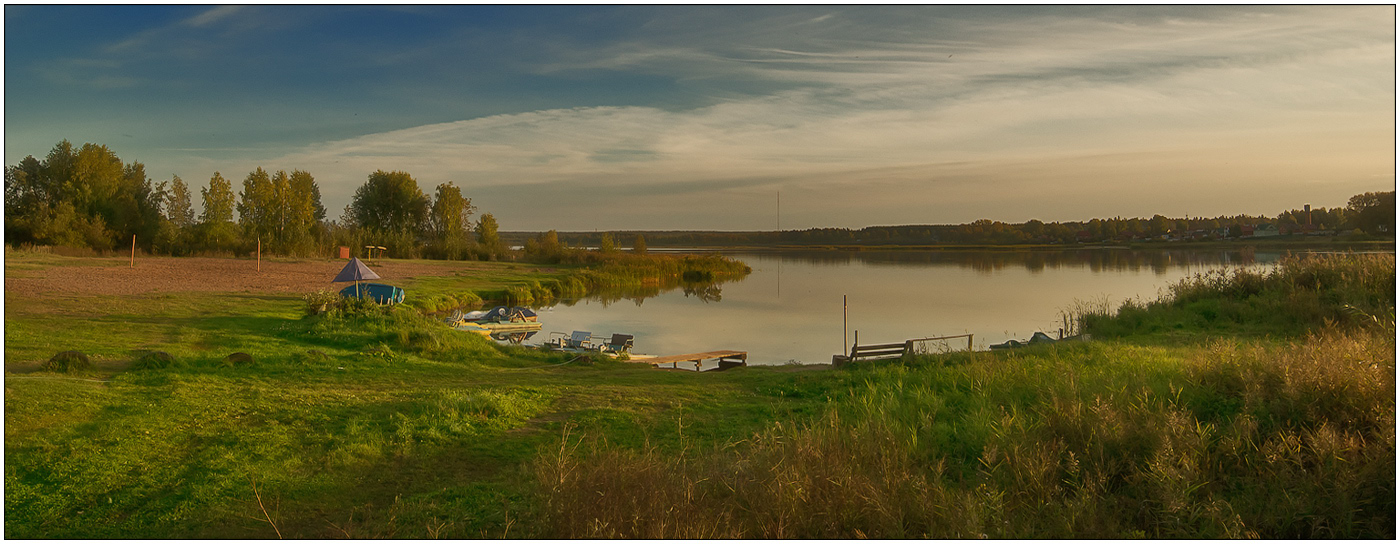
(1265, 230)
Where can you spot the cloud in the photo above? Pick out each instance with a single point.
(212, 15)
(905, 114)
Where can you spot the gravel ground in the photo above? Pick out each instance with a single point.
(185, 274)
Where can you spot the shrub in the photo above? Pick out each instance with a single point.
(320, 301)
(238, 359)
(68, 361)
(155, 360)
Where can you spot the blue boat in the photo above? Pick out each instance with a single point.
(378, 292)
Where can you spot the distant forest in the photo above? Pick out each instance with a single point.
(88, 198)
(1369, 214)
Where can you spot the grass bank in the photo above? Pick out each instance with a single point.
(1277, 429)
(373, 423)
(609, 276)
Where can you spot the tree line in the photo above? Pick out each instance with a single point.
(1370, 213)
(86, 197)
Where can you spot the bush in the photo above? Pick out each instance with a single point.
(68, 361)
(155, 360)
(238, 359)
(320, 301)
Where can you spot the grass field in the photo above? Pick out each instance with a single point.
(373, 424)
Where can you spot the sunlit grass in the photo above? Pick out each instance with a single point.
(384, 423)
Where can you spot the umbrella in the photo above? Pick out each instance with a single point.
(355, 271)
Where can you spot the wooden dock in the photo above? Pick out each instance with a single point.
(875, 352)
(727, 359)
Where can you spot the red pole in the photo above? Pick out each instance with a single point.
(259, 254)
(133, 251)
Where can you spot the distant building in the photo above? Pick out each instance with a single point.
(1265, 230)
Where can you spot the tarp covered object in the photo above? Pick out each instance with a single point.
(355, 271)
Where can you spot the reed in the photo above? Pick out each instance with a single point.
(1301, 293)
(1234, 440)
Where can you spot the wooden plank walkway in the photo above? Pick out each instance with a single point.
(875, 352)
(727, 359)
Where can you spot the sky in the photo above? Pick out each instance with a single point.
(733, 118)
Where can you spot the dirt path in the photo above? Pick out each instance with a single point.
(184, 274)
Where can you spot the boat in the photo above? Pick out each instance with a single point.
(473, 328)
(616, 345)
(498, 320)
(513, 337)
(378, 292)
(502, 314)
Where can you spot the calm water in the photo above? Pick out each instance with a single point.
(790, 308)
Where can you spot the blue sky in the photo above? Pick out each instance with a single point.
(582, 118)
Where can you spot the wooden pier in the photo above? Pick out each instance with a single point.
(727, 359)
(876, 352)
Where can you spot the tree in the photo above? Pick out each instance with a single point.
(449, 222)
(1158, 225)
(1373, 213)
(218, 200)
(216, 230)
(545, 247)
(639, 246)
(178, 208)
(280, 210)
(488, 238)
(451, 212)
(308, 192)
(390, 202)
(256, 204)
(106, 200)
(177, 223)
(606, 244)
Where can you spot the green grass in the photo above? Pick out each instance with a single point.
(361, 424)
(1215, 433)
(1300, 294)
(370, 423)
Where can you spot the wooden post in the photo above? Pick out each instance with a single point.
(845, 318)
(857, 343)
(133, 251)
(969, 343)
(259, 254)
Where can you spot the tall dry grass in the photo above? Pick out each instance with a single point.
(1301, 293)
(1243, 440)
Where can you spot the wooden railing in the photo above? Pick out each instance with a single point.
(876, 352)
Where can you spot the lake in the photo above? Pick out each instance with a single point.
(790, 308)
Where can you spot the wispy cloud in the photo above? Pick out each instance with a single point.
(213, 15)
(908, 114)
(1068, 92)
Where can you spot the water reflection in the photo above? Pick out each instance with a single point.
(704, 291)
(1035, 261)
(893, 296)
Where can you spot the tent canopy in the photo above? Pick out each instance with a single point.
(355, 271)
